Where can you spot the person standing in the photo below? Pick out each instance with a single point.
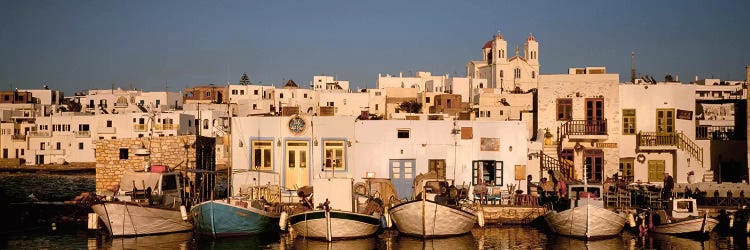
(668, 187)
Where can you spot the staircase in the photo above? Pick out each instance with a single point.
(549, 159)
(670, 140)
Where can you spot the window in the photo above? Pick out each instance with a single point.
(255, 92)
(158, 102)
(205, 123)
(83, 127)
(208, 94)
(58, 146)
(533, 74)
(109, 123)
(376, 106)
(628, 121)
(517, 73)
(41, 146)
(234, 92)
(488, 172)
(281, 95)
(262, 155)
(594, 162)
(305, 95)
(255, 106)
(427, 99)
(501, 73)
(655, 170)
(626, 168)
(80, 145)
(402, 134)
(334, 155)
(664, 121)
(123, 154)
(564, 109)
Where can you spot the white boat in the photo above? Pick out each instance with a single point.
(146, 203)
(586, 218)
(336, 218)
(685, 219)
(435, 214)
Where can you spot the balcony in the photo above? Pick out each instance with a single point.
(82, 134)
(657, 141)
(39, 134)
(166, 126)
(121, 105)
(18, 137)
(585, 129)
(107, 130)
(140, 127)
(50, 152)
(721, 133)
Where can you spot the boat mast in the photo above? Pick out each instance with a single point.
(229, 153)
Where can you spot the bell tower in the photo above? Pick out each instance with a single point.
(500, 62)
(531, 50)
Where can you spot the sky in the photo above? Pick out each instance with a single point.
(155, 45)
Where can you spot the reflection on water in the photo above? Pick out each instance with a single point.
(162, 241)
(496, 237)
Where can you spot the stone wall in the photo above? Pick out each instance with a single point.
(172, 151)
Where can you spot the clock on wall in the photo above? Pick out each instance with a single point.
(297, 125)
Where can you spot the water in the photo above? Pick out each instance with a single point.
(494, 237)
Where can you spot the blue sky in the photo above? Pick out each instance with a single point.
(79, 45)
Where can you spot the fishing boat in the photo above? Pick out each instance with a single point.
(337, 217)
(435, 210)
(685, 218)
(238, 215)
(146, 203)
(586, 218)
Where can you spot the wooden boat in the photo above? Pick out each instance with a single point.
(336, 217)
(146, 203)
(685, 219)
(436, 213)
(235, 216)
(586, 218)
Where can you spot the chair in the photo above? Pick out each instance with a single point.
(611, 199)
(624, 198)
(654, 199)
(494, 194)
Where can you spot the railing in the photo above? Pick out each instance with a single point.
(585, 127)
(139, 127)
(550, 163)
(678, 140)
(82, 133)
(121, 104)
(166, 126)
(723, 133)
(39, 134)
(18, 137)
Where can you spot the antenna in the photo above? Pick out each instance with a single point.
(632, 67)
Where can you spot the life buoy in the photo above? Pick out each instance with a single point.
(641, 158)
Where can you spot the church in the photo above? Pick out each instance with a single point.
(512, 74)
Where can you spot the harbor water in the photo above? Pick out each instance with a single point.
(57, 225)
(493, 237)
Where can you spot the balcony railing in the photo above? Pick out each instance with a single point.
(82, 133)
(166, 126)
(139, 127)
(723, 133)
(585, 127)
(39, 134)
(652, 139)
(660, 141)
(18, 137)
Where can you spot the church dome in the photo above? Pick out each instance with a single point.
(531, 37)
(488, 45)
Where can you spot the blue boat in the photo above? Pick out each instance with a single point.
(235, 217)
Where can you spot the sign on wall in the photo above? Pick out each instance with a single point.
(520, 172)
(489, 144)
(684, 114)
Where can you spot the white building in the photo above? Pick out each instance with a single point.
(507, 72)
(329, 83)
(292, 151)
(422, 81)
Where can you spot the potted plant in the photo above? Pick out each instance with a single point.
(691, 177)
(547, 137)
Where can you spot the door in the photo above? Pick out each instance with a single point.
(594, 165)
(664, 121)
(402, 177)
(39, 160)
(656, 170)
(595, 116)
(297, 173)
(489, 172)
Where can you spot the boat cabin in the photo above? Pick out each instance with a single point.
(683, 208)
(153, 188)
(580, 195)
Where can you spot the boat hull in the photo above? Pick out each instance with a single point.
(132, 219)
(692, 226)
(342, 225)
(601, 223)
(440, 220)
(220, 219)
